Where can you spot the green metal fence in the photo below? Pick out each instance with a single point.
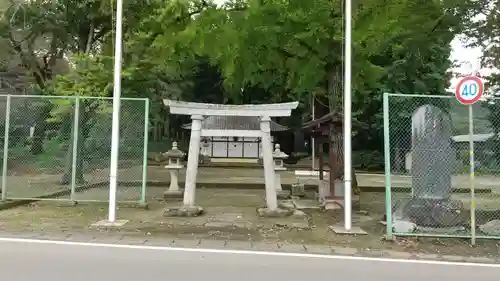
(440, 182)
(58, 148)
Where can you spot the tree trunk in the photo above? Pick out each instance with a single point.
(337, 148)
(399, 160)
(167, 132)
(85, 45)
(83, 133)
(40, 128)
(66, 179)
(336, 134)
(334, 89)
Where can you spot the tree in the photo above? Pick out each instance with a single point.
(262, 50)
(294, 48)
(418, 66)
(43, 32)
(483, 32)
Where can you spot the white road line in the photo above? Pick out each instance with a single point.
(243, 252)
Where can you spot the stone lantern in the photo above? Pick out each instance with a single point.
(278, 157)
(174, 156)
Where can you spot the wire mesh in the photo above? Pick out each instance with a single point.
(431, 188)
(39, 132)
(59, 148)
(95, 132)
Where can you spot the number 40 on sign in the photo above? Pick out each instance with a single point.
(469, 90)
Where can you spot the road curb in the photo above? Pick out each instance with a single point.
(239, 245)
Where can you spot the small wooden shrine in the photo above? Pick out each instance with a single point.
(329, 130)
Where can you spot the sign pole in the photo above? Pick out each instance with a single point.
(347, 120)
(471, 177)
(469, 90)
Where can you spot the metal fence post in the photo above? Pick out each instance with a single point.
(6, 147)
(145, 153)
(387, 157)
(76, 123)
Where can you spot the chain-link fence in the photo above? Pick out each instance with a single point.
(58, 148)
(442, 181)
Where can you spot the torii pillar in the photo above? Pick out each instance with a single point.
(193, 160)
(267, 159)
(198, 111)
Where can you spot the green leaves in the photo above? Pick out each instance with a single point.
(292, 46)
(483, 32)
(88, 78)
(288, 48)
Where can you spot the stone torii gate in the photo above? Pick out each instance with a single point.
(198, 112)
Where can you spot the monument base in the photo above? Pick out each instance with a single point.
(431, 212)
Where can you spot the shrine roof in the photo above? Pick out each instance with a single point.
(235, 123)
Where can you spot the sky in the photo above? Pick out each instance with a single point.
(468, 60)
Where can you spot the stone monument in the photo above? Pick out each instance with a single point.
(432, 165)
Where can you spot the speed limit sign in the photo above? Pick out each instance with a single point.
(469, 90)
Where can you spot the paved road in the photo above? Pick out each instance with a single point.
(51, 262)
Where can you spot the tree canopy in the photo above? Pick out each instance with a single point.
(247, 50)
